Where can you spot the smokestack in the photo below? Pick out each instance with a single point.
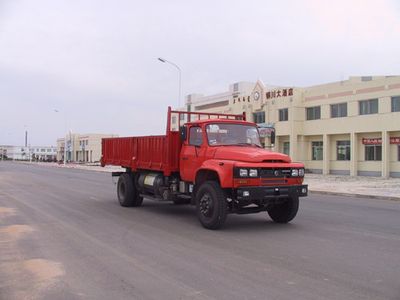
(26, 138)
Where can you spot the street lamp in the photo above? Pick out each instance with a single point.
(180, 76)
(65, 139)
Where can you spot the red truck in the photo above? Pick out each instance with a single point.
(213, 161)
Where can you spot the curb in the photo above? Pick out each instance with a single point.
(390, 198)
(71, 167)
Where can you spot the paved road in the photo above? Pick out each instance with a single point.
(63, 236)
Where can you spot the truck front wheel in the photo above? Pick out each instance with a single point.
(211, 205)
(285, 212)
(127, 193)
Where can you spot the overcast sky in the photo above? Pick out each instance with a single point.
(96, 61)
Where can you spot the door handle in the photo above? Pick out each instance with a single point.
(185, 158)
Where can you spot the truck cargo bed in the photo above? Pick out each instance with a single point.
(156, 153)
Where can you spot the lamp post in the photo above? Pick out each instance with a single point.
(65, 138)
(180, 76)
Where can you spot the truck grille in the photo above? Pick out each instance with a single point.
(275, 173)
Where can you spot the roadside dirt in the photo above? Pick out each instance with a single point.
(45, 271)
(14, 231)
(22, 277)
(6, 211)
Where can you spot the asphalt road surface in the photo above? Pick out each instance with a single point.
(63, 235)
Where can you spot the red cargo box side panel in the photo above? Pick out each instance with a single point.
(155, 153)
(151, 152)
(118, 151)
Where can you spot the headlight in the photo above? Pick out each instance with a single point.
(253, 173)
(301, 172)
(243, 172)
(295, 172)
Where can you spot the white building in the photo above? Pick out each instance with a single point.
(36, 153)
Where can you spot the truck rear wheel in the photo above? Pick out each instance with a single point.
(211, 205)
(127, 192)
(285, 212)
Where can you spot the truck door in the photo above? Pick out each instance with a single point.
(192, 154)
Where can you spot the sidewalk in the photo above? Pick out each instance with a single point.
(361, 186)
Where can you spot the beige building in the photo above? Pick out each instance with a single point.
(350, 127)
(81, 147)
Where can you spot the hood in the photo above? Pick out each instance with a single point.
(249, 154)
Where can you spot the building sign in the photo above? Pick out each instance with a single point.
(395, 140)
(279, 93)
(374, 141)
(378, 141)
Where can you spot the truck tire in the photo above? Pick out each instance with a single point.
(211, 205)
(127, 192)
(285, 212)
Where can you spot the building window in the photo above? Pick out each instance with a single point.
(313, 113)
(373, 152)
(339, 110)
(343, 150)
(317, 150)
(259, 117)
(286, 148)
(87, 142)
(396, 103)
(283, 114)
(368, 107)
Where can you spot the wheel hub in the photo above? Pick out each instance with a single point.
(206, 204)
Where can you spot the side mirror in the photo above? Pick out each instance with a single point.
(183, 133)
(273, 136)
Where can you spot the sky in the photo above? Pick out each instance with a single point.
(95, 62)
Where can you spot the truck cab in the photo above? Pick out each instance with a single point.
(229, 154)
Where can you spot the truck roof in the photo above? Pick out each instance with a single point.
(221, 121)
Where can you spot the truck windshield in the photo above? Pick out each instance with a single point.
(220, 134)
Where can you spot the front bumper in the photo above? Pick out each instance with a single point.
(271, 192)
